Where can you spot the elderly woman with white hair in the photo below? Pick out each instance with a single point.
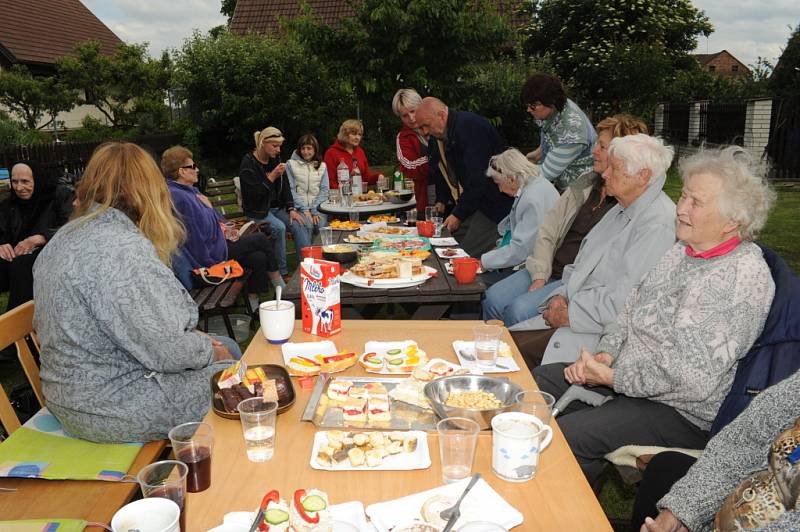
(412, 146)
(672, 353)
(533, 195)
(632, 236)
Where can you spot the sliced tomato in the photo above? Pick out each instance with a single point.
(298, 504)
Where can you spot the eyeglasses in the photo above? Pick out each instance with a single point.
(191, 167)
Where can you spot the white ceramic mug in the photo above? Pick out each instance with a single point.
(153, 514)
(277, 322)
(517, 440)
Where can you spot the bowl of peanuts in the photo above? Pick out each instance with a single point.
(476, 397)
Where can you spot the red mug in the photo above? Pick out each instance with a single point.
(425, 228)
(311, 252)
(465, 269)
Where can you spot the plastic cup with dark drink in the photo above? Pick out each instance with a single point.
(193, 444)
(166, 479)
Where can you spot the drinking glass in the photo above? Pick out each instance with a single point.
(437, 226)
(193, 444)
(411, 217)
(326, 236)
(536, 403)
(487, 342)
(430, 212)
(334, 196)
(165, 479)
(353, 213)
(258, 425)
(347, 197)
(231, 233)
(458, 437)
(383, 183)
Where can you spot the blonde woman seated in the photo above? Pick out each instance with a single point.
(121, 358)
(533, 195)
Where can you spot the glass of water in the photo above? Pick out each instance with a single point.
(487, 342)
(258, 425)
(437, 226)
(334, 196)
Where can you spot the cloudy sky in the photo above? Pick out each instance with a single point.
(746, 28)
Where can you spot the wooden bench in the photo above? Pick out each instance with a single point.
(222, 298)
(223, 197)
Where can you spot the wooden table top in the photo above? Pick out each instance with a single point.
(441, 289)
(91, 500)
(558, 498)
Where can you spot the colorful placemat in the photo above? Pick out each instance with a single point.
(43, 525)
(41, 449)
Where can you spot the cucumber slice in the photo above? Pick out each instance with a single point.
(396, 361)
(314, 503)
(276, 516)
(393, 352)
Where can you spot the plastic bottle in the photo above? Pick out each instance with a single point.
(398, 181)
(343, 177)
(355, 179)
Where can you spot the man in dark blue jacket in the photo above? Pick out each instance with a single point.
(459, 150)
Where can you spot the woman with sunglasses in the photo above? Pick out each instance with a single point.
(208, 238)
(567, 135)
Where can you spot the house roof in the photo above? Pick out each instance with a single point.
(261, 16)
(705, 59)
(40, 35)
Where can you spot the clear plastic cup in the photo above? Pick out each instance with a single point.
(438, 221)
(258, 426)
(193, 444)
(353, 214)
(458, 437)
(165, 479)
(411, 217)
(487, 342)
(326, 236)
(536, 403)
(430, 212)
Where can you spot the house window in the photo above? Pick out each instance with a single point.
(711, 68)
(735, 68)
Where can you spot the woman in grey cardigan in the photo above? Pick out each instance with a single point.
(533, 196)
(121, 358)
(672, 353)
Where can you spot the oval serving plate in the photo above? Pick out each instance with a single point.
(273, 371)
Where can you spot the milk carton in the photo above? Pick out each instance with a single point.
(319, 296)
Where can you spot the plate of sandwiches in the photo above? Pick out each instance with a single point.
(337, 450)
(392, 357)
(360, 404)
(312, 358)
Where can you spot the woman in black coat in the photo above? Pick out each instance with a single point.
(36, 207)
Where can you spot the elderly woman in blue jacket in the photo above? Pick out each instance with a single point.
(533, 196)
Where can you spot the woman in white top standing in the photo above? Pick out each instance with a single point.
(308, 177)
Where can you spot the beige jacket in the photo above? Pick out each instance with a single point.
(555, 226)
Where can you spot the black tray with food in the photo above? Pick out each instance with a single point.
(283, 384)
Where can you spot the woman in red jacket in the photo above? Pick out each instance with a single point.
(412, 148)
(346, 148)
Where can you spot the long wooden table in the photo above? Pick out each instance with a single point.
(428, 301)
(91, 500)
(558, 498)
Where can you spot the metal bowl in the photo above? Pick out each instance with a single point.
(399, 196)
(439, 390)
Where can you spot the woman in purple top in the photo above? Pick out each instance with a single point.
(208, 240)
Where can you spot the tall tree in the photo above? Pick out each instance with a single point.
(227, 8)
(615, 53)
(785, 81)
(33, 98)
(127, 88)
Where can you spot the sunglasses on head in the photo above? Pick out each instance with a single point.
(191, 167)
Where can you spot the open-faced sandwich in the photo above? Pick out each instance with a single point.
(276, 513)
(394, 360)
(316, 364)
(309, 510)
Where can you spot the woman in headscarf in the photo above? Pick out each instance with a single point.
(36, 207)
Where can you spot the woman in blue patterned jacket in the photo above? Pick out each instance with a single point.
(567, 135)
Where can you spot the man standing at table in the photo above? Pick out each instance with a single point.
(460, 146)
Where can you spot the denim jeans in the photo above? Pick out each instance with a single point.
(231, 344)
(278, 221)
(510, 301)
